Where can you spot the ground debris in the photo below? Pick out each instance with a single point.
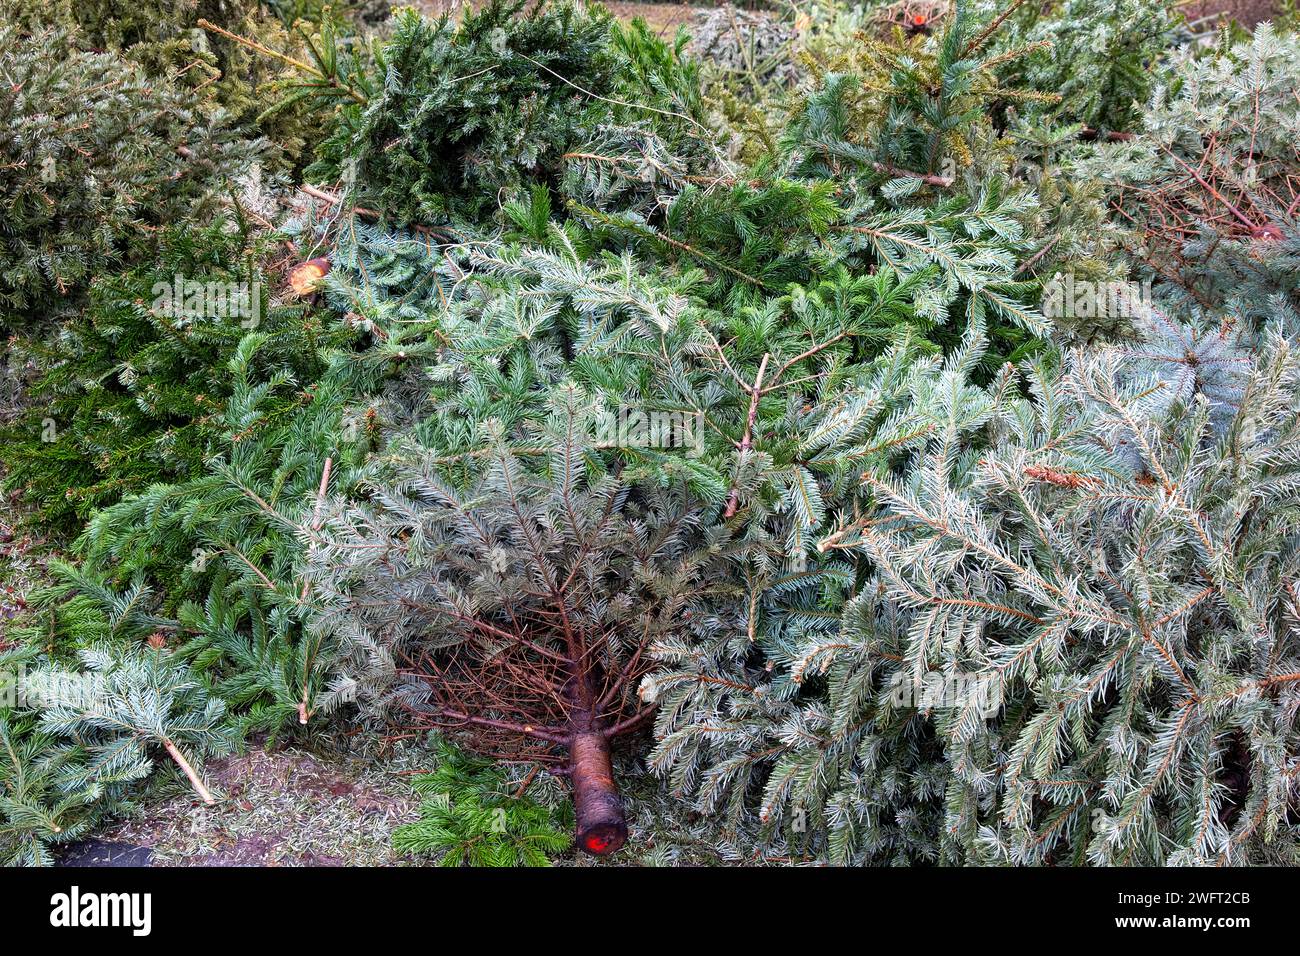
(278, 808)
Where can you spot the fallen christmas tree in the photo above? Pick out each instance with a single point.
(519, 613)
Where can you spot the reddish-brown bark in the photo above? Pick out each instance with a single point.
(602, 826)
(564, 716)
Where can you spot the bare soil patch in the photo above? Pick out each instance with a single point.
(275, 808)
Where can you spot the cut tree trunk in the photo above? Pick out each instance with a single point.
(602, 827)
(184, 764)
